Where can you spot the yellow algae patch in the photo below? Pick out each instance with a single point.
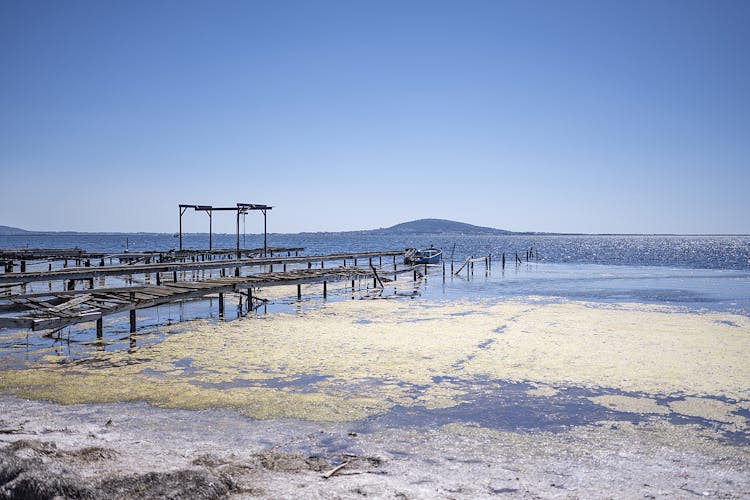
(631, 348)
(711, 409)
(630, 404)
(351, 359)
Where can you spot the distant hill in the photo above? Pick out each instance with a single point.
(439, 226)
(12, 230)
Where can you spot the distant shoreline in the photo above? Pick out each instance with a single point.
(373, 232)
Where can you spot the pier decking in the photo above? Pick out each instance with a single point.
(55, 309)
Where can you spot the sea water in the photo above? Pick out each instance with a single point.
(700, 272)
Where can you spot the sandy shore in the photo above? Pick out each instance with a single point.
(524, 398)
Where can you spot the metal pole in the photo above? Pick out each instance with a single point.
(238, 233)
(179, 209)
(265, 234)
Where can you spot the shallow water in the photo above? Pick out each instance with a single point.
(598, 328)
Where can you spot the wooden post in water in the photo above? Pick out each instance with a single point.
(158, 279)
(325, 289)
(99, 328)
(299, 291)
(174, 276)
(23, 266)
(221, 305)
(503, 266)
(132, 312)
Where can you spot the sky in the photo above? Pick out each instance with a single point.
(560, 116)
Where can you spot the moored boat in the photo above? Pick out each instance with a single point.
(426, 256)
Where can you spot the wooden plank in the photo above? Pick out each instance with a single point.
(15, 322)
(71, 303)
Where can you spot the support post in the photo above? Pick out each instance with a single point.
(238, 233)
(179, 209)
(132, 312)
(265, 234)
(299, 291)
(325, 289)
(99, 328)
(221, 305)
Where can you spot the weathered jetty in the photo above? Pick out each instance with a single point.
(55, 309)
(87, 274)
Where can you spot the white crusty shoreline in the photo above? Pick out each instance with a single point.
(215, 453)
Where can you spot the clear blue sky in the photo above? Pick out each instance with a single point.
(594, 116)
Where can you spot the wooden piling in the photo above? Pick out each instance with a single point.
(221, 305)
(132, 312)
(325, 289)
(299, 291)
(99, 328)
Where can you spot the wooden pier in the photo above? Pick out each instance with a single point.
(55, 309)
(90, 273)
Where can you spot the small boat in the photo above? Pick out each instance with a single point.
(426, 256)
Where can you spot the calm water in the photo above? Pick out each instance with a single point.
(695, 252)
(698, 272)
